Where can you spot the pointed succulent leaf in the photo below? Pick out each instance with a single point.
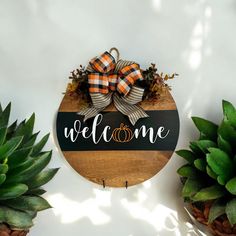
(4, 117)
(31, 140)
(187, 171)
(187, 155)
(210, 172)
(191, 187)
(227, 132)
(28, 203)
(229, 112)
(39, 146)
(18, 157)
(3, 133)
(200, 164)
(216, 210)
(208, 128)
(222, 179)
(36, 191)
(9, 147)
(42, 178)
(220, 163)
(14, 218)
(32, 214)
(0, 109)
(224, 145)
(40, 162)
(231, 211)
(26, 129)
(12, 191)
(3, 168)
(231, 186)
(196, 150)
(11, 129)
(20, 168)
(209, 193)
(2, 178)
(205, 144)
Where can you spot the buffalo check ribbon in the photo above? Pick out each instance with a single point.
(114, 82)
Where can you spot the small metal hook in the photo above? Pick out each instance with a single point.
(103, 183)
(126, 184)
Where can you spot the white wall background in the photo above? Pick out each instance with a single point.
(42, 41)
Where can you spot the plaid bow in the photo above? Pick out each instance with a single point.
(105, 78)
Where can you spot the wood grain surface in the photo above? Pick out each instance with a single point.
(114, 168)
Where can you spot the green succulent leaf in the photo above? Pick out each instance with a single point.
(207, 128)
(16, 219)
(191, 187)
(224, 145)
(231, 211)
(39, 163)
(3, 133)
(31, 140)
(229, 112)
(11, 129)
(26, 129)
(2, 178)
(187, 171)
(9, 147)
(196, 150)
(220, 163)
(3, 168)
(187, 155)
(211, 173)
(209, 193)
(36, 191)
(200, 164)
(28, 203)
(231, 186)
(4, 117)
(205, 144)
(18, 157)
(42, 178)
(216, 210)
(227, 132)
(39, 146)
(21, 167)
(12, 191)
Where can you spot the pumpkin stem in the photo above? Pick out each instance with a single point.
(122, 125)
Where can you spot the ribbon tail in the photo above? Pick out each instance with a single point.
(100, 102)
(133, 112)
(89, 112)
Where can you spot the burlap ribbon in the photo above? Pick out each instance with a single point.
(114, 82)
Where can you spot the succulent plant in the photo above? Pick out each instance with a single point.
(210, 174)
(22, 173)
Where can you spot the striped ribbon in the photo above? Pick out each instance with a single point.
(124, 104)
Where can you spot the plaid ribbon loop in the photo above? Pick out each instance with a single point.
(103, 79)
(106, 79)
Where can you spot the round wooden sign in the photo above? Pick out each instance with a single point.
(109, 151)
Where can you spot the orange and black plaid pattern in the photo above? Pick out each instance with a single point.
(104, 63)
(128, 76)
(99, 83)
(103, 80)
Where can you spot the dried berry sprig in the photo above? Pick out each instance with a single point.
(79, 84)
(155, 83)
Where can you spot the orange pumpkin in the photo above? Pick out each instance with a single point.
(123, 134)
